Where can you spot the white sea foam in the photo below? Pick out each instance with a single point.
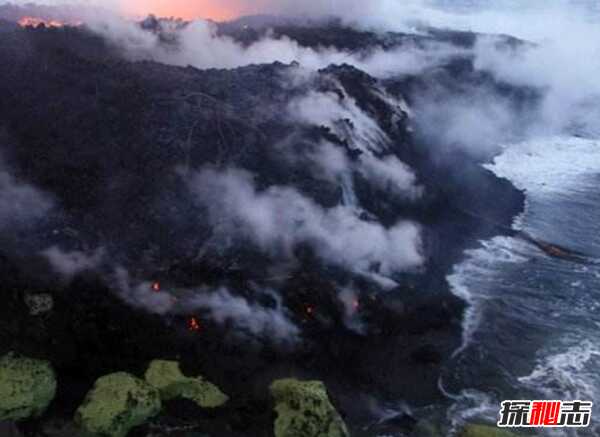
(542, 168)
(555, 173)
(481, 267)
(569, 373)
(469, 405)
(548, 166)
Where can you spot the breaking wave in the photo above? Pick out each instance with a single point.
(540, 308)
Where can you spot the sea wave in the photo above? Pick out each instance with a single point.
(540, 310)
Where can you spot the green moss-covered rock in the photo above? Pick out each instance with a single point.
(485, 431)
(26, 387)
(166, 376)
(117, 403)
(304, 410)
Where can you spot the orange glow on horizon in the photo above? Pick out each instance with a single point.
(187, 9)
(35, 21)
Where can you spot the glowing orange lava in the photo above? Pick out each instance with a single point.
(186, 9)
(193, 325)
(36, 21)
(156, 286)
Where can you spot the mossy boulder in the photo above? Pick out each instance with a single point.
(27, 387)
(117, 403)
(304, 410)
(167, 377)
(485, 431)
(39, 304)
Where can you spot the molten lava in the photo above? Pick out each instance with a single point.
(156, 286)
(193, 325)
(36, 21)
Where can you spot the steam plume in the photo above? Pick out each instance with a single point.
(278, 219)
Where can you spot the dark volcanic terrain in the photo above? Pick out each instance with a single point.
(102, 151)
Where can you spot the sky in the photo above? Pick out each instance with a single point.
(216, 10)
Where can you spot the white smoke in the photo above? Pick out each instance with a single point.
(278, 219)
(250, 318)
(566, 69)
(475, 121)
(390, 175)
(200, 46)
(332, 110)
(341, 114)
(141, 294)
(562, 64)
(69, 264)
(350, 301)
(329, 161)
(221, 306)
(21, 204)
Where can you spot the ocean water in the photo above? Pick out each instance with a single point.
(531, 330)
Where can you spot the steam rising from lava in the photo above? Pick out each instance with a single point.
(281, 218)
